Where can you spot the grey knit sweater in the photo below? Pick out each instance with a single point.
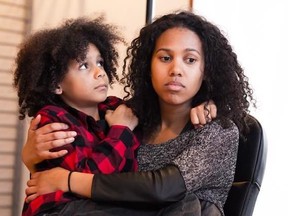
(206, 158)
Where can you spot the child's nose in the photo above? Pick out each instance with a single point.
(99, 73)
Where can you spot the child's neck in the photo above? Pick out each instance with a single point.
(91, 112)
(88, 110)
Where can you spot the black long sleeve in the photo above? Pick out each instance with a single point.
(162, 186)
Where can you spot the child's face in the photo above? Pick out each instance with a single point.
(177, 66)
(86, 83)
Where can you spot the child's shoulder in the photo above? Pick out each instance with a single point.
(51, 110)
(111, 102)
(52, 107)
(52, 113)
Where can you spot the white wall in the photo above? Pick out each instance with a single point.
(258, 32)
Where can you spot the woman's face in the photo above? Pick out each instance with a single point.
(177, 66)
(86, 83)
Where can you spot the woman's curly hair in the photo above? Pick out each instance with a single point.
(42, 60)
(224, 81)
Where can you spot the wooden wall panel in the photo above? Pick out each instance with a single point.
(14, 19)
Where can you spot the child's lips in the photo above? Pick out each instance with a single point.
(101, 87)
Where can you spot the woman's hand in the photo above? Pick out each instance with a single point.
(122, 115)
(41, 140)
(47, 182)
(203, 113)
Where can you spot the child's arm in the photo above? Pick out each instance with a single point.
(203, 113)
(122, 115)
(120, 142)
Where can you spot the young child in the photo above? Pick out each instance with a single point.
(63, 74)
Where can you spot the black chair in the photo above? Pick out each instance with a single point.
(250, 168)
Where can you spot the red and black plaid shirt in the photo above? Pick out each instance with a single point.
(96, 149)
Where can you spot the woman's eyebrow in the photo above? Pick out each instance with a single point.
(193, 50)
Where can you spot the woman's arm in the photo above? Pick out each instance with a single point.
(36, 188)
(216, 160)
(161, 186)
(40, 141)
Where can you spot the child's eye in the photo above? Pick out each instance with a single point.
(100, 63)
(83, 66)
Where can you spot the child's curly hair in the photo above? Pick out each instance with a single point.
(43, 58)
(224, 81)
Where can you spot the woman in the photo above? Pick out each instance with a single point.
(177, 61)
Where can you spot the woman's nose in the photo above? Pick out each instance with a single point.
(176, 69)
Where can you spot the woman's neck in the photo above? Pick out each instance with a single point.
(173, 120)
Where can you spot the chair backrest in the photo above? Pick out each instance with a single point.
(250, 168)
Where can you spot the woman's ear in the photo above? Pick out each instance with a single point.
(58, 90)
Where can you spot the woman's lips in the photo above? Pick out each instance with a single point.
(174, 86)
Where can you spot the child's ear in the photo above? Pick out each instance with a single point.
(58, 90)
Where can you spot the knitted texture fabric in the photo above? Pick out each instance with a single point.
(206, 158)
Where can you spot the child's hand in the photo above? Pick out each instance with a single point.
(203, 113)
(122, 116)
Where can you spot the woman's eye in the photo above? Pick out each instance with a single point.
(83, 66)
(190, 60)
(165, 58)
